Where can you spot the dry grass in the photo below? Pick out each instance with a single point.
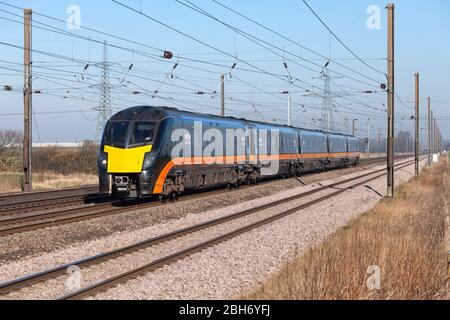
(11, 181)
(66, 161)
(53, 159)
(53, 168)
(406, 238)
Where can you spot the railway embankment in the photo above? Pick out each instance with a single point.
(397, 250)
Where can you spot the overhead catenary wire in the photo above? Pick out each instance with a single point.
(341, 42)
(196, 40)
(236, 78)
(120, 70)
(293, 41)
(265, 44)
(84, 62)
(208, 45)
(154, 56)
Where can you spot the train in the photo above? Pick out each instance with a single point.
(151, 151)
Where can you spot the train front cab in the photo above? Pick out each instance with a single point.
(128, 158)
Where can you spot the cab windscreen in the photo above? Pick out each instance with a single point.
(116, 134)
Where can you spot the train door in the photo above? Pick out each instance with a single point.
(300, 143)
(296, 146)
(253, 146)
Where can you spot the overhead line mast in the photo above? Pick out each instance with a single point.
(27, 101)
(429, 133)
(417, 120)
(391, 101)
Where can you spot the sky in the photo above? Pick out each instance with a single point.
(67, 62)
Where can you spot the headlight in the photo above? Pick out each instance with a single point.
(103, 161)
(149, 160)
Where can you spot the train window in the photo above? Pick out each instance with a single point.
(143, 133)
(116, 134)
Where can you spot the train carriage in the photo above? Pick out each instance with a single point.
(337, 151)
(314, 150)
(353, 150)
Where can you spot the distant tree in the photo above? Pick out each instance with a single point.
(404, 142)
(447, 145)
(10, 149)
(10, 139)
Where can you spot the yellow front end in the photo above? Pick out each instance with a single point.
(126, 160)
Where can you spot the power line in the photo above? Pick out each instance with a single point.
(340, 41)
(79, 61)
(263, 71)
(401, 102)
(237, 78)
(94, 93)
(210, 46)
(145, 54)
(259, 41)
(84, 27)
(195, 39)
(82, 62)
(292, 41)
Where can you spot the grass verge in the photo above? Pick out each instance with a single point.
(404, 241)
(11, 181)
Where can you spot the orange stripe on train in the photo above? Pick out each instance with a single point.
(159, 186)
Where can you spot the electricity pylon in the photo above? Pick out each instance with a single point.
(104, 108)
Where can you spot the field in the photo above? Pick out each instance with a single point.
(53, 168)
(11, 181)
(398, 250)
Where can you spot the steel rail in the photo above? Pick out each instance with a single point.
(46, 192)
(47, 204)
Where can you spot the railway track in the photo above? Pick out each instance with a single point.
(100, 206)
(24, 196)
(18, 208)
(45, 220)
(45, 200)
(140, 248)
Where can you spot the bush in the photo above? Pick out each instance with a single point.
(10, 150)
(61, 161)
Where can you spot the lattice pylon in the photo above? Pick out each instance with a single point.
(327, 107)
(104, 108)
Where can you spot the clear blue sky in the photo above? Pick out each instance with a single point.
(422, 33)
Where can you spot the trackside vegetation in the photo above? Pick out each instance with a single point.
(404, 239)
